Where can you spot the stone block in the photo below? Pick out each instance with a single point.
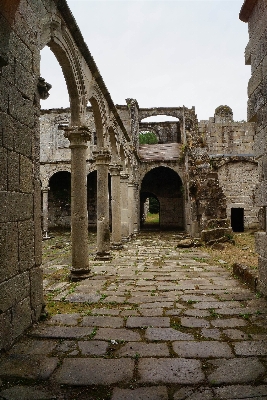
(166, 334)
(15, 206)
(36, 292)
(261, 244)
(93, 347)
(26, 172)
(117, 334)
(23, 143)
(262, 282)
(141, 322)
(25, 392)
(3, 168)
(261, 194)
(21, 108)
(3, 95)
(20, 51)
(13, 172)
(136, 349)
(6, 331)
(21, 317)
(255, 80)
(14, 290)
(26, 245)
(8, 250)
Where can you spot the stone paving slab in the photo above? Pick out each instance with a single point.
(26, 393)
(238, 370)
(93, 347)
(33, 346)
(191, 322)
(65, 319)
(241, 392)
(140, 322)
(149, 393)
(251, 348)
(94, 371)
(228, 323)
(172, 370)
(117, 334)
(205, 349)
(106, 322)
(62, 332)
(28, 367)
(136, 349)
(167, 334)
(201, 393)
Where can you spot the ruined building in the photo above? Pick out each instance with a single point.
(195, 160)
(254, 12)
(202, 180)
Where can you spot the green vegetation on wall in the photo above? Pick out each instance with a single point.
(146, 137)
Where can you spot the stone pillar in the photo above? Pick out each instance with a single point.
(45, 212)
(103, 233)
(78, 137)
(124, 207)
(136, 209)
(116, 206)
(131, 207)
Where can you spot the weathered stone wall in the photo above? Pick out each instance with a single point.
(238, 181)
(21, 298)
(255, 13)
(230, 147)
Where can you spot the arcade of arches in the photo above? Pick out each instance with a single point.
(44, 172)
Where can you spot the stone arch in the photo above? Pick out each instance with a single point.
(166, 185)
(150, 112)
(57, 37)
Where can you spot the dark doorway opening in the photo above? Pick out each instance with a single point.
(237, 219)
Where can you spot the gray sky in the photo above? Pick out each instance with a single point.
(166, 53)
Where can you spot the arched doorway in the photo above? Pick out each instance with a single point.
(166, 186)
(149, 211)
(59, 200)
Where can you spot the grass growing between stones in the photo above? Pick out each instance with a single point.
(242, 251)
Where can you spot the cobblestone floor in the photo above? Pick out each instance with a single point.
(158, 323)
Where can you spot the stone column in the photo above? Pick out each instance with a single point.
(103, 233)
(116, 206)
(131, 207)
(124, 207)
(136, 209)
(78, 137)
(45, 212)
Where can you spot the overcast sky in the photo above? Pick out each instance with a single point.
(165, 53)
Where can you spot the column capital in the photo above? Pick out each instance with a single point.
(115, 169)
(102, 156)
(124, 175)
(77, 135)
(45, 189)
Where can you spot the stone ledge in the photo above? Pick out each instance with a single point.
(246, 275)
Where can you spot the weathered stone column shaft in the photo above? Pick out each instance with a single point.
(78, 137)
(116, 206)
(45, 209)
(103, 233)
(124, 207)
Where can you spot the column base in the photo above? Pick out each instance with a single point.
(105, 256)
(79, 274)
(116, 246)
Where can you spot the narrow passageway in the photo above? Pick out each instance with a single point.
(155, 322)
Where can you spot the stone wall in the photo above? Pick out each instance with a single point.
(255, 13)
(21, 297)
